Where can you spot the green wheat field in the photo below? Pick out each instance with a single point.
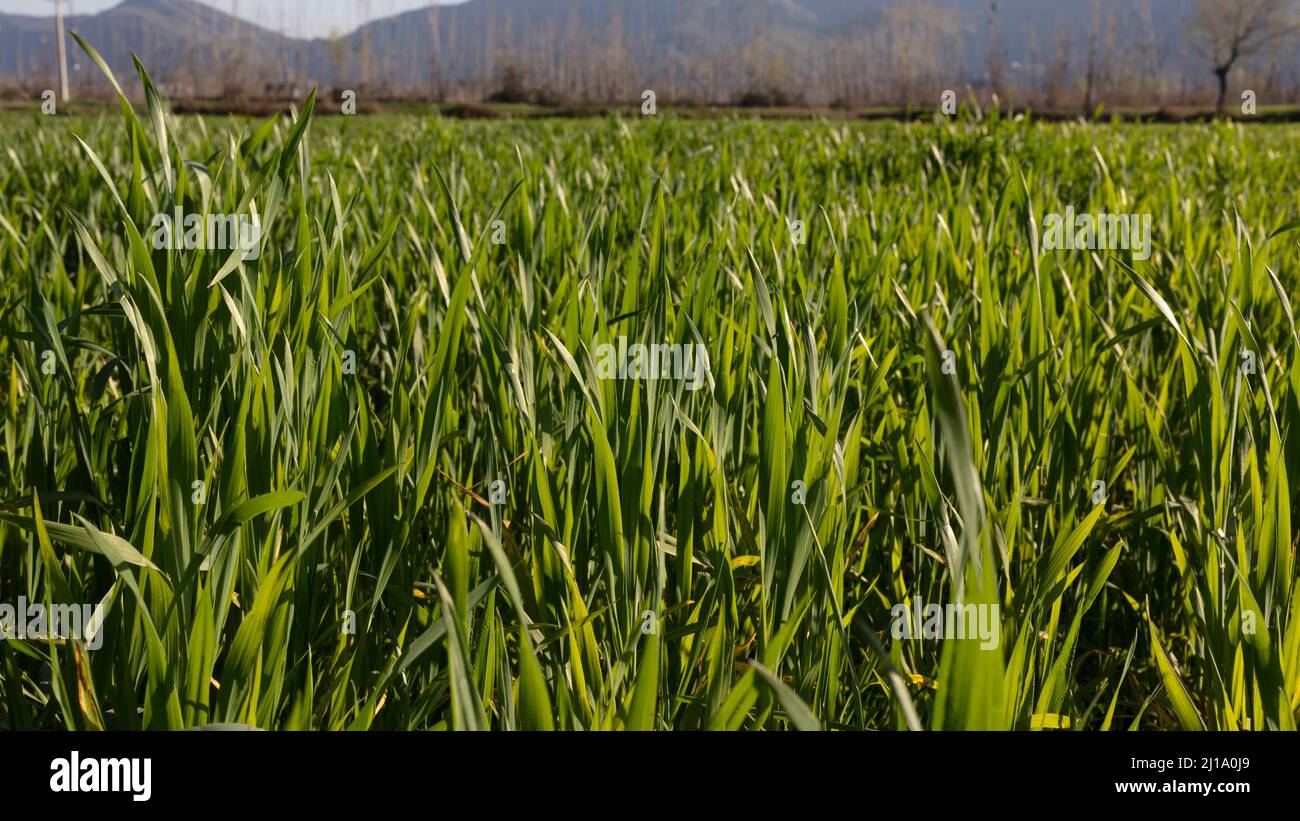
(375, 478)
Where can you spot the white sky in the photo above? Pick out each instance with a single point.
(302, 18)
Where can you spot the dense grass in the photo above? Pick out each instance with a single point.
(328, 490)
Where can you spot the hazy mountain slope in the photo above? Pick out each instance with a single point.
(476, 36)
(177, 39)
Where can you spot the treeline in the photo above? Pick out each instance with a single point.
(1098, 53)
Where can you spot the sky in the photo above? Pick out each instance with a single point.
(301, 18)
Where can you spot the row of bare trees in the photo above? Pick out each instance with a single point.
(1099, 53)
(915, 53)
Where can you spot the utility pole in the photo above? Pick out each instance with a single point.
(63, 54)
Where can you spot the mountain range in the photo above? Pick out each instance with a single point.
(807, 50)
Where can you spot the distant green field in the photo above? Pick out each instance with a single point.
(404, 469)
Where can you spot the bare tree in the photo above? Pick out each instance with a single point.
(1090, 78)
(437, 86)
(1059, 70)
(996, 65)
(1232, 30)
